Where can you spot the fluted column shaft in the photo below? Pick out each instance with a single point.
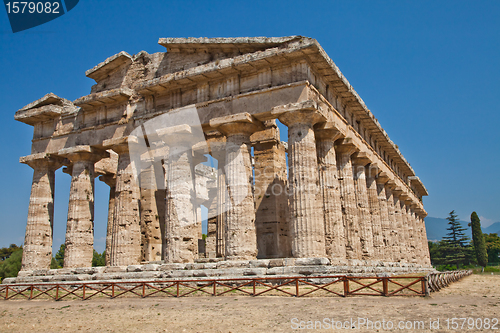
(180, 224)
(217, 222)
(400, 225)
(80, 226)
(375, 213)
(385, 223)
(110, 180)
(150, 204)
(306, 205)
(365, 222)
(126, 235)
(348, 201)
(425, 244)
(37, 250)
(394, 232)
(329, 184)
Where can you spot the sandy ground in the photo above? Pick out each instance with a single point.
(476, 296)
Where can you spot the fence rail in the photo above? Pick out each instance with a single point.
(341, 286)
(437, 281)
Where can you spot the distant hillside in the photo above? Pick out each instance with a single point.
(436, 228)
(492, 229)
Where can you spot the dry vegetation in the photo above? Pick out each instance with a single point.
(474, 296)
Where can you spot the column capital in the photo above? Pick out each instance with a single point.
(391, 184)
(346, 146)
(109, 179)
(309, 116)
(52, 161)
(360, 159)
(120, 145)
(85, 152)
(327, 131)
(382, 178)
(240, 123)
(397, 191)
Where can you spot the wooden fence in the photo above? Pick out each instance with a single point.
(341, 286)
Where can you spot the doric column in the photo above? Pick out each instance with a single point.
(217, 148)
(385, 222)
(335, 240)
(110, 180)
(306, 215)
(409, 229)
(80, 226)
(400, 223)
(344, 150)
(394, 232)
(240, 232)
(37, 249)
(359, 161)
(417, 234)
(372, 171)
(152, 201)
(181, 229)
(425, 245)
(126, 234)
(273, 239)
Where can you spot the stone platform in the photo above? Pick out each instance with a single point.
(219, 269)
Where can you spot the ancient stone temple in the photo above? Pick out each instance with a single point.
(338, 192)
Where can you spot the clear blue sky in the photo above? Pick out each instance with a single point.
(428, 70)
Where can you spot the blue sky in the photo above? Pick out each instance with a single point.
(428, 70)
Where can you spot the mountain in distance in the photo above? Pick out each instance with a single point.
(436, 228)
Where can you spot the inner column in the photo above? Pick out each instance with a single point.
(80, 225)
(240, 231)
(126, 233)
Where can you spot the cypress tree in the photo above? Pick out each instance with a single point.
(478, 240)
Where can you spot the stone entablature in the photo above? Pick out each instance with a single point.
(239, 87)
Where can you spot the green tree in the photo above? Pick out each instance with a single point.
(98, 259)
(478, 240)
(5, 252)
(492, 242)
(456, 249)
(59, 257)
(12, 265)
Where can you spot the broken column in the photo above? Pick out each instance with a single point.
(305, 207)
(126, 234)
(344, 149)
(80, 226)
(240, 232)
(329, 185)
(37, 250)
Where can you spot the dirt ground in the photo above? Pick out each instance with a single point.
(476, 296)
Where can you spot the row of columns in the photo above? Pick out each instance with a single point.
(339, 204)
